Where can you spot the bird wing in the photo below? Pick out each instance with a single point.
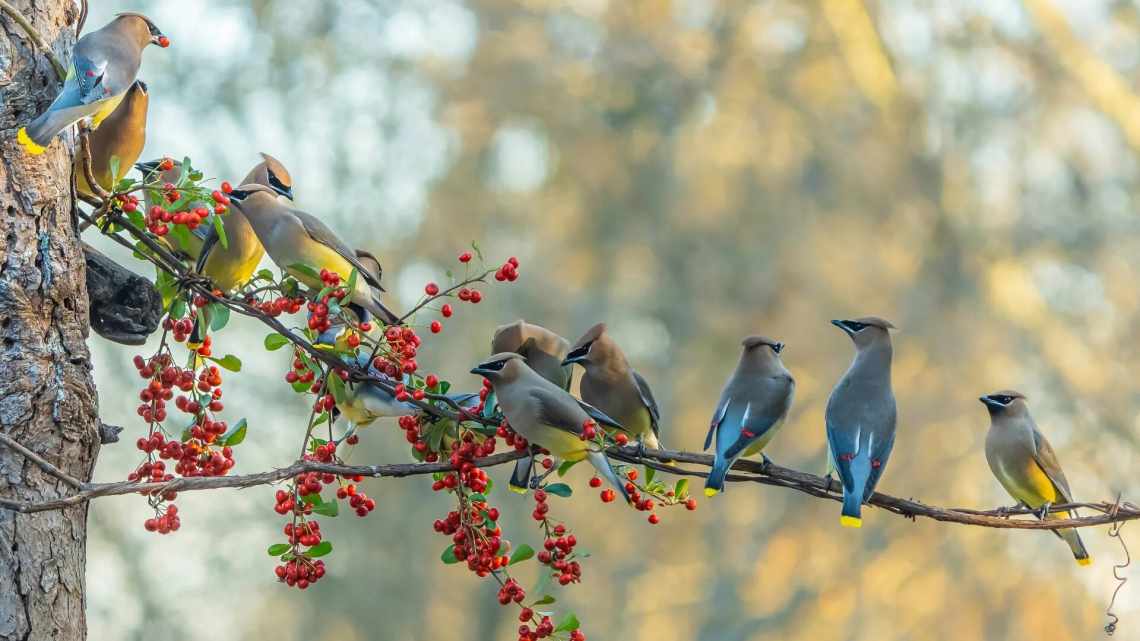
(557, 410)
(880, 451)
(649, 402)
(208, 242)
(90, 77)
(599, 416)
(718, 417)
(840, 441)
(320, 232)
(760, 416)
(1046, 459)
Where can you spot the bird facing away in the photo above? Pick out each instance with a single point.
(103, 66)
(612, 386)
(861, 415)
(1026, 465)
(293, 237)
(546, 414)
(363, 402)
(544, 352)
(337, 334)
(122, 135)
(752, 407)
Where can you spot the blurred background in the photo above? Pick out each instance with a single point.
(690, 172)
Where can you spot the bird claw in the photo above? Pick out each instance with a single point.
(641, 449)
(767, 462)
(1044, 511)
(536, 481)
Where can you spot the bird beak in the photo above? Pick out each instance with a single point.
(840, 325)
(148, 166)
(479, 370)
(287, 192)
(577, 356)
(989, 402)
(160, 40)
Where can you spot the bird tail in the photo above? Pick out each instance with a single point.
(520, 478)
(201, 326)
(854, 488)
(852, 515)
(38, 134)
(1071, 537)
(602, 465)
(715, 482)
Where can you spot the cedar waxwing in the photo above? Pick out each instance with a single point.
(753, 405)
(232, 266)
(544, 351)
(121, 136)
(103, 67)
(861, 415)
(293, 237)
(1025, 464)
(546, 414)
(336, 335)
(365, 402)
(612, 386)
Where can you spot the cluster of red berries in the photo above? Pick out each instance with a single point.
(413, 434)
(478, 542)
(558, 546)
(278, 305)
(511, 591)
(300, 572)
(159, 219)
(180, 328)
(127, 202)
(589, 430)
(300, 373)
(545, 628)
(464, 452)
(403, 344)
(319, 310)
(509, 270)
(511, 437)
(357, 500)
(161, 376)
(164, 523)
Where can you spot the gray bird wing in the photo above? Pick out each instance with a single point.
(649, 402)
(1047, 459)
(598, 415)
(718, 417)
(320, 232)
(105, 65)
(557, 410)
(208, 243)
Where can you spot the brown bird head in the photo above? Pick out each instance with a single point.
(522, 337)
(760, 349)
(251, 192)
(371, 263)
(141, 28)
(504, 367)
(595, 348)
(271, 173)
(866, 330)
(1005, 403)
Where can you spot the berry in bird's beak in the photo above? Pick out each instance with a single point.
(162, 41)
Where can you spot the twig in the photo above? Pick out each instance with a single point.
(40, 461)
(82, 17)
(85, 157)
(36, 38)
(1114, 532)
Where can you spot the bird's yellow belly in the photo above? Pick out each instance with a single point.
(1029, 484)
(562, 444)
(107, 106)
(229, 271)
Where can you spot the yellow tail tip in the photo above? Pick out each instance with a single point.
(711, 491)
(516, 489)
(1085, 561)
(850, 521)
(28, 144)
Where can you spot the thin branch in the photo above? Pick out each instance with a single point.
(36, 38)
(748, 471)
(40, 461)
(85, 157)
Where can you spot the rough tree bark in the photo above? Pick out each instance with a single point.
(47, 396)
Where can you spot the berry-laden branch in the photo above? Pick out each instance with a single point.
(748, 472)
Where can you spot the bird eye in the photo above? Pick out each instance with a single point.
(778, 347)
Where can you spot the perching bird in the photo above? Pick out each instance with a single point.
(544, 351)
(1025, 464)
(296, 238)
(121, 136)
(364, 402)
(752, 407)
(612, 386)
(231, 265)
(861, 415)
(546, 414)
(103, 67)
(336, 335)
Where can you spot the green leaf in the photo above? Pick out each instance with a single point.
(350, 286)
(184, 170)
(115, 163)
(311, 499)
(336, 388)
(277, 549)
(521, 554)
(490, 484)
(569, 622)
(220, 230)
(681, 489)
(559, 489)
(443, 387)
(565, 467)
(275, 341)
(229, 361)
(320, 549)
(321, 419)
(178, 308)
(328, 508)
(448, 555)
(236, 434)
(649, 474)
(264, 274)
(307, 270)
(545, 600)
(301, 387)
(477, 498)
(219, 316)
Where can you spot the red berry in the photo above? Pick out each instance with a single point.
(465, 257)
(227, 187)
(446, 311)
(436, 327)
(431, 289)
(654, 519)
(595, 482)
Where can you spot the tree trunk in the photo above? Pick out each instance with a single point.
(47, 396)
